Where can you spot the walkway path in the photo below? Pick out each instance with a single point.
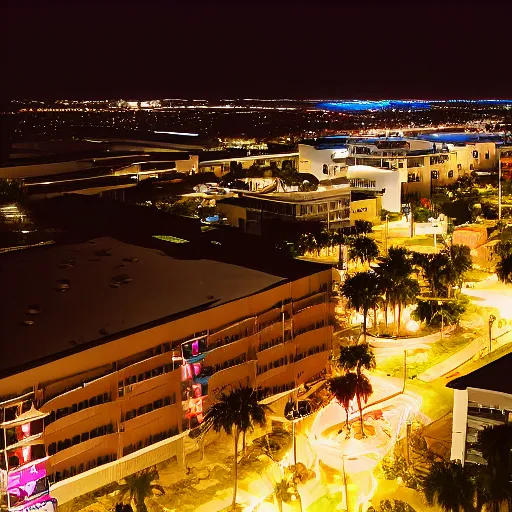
(453, 361)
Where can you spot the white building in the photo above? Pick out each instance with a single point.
(400, 165)
(480, 398)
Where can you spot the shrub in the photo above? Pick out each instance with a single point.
(395, 506)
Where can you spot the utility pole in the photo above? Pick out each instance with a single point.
(405, 369)
(439, 303)
(499, 183)
(492, 319)
(386, 233)
(408, 432)
(411, 210)
(345, 481)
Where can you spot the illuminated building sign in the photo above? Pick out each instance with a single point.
(41, 504)
(26, 475)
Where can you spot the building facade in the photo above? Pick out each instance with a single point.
(399, 165)
(94, 412)
(221, 166)
(331, 207)
(481, 398)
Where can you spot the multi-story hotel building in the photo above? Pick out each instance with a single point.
(110, 350)
(399, 166)
(331, 207)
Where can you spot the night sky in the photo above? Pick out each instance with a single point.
(88, 49)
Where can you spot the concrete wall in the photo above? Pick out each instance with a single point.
(459, 425)
(384, 179)
(234, 214)
(186, 166)
(78, 485)
(27, 171)
(312, 160)
(366, 209)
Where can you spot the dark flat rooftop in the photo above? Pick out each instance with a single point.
(157, 286)
(494, 376)
(95, 251)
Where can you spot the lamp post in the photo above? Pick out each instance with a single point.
(492, 319)
(440, 303)
(499, 183)
(345, 481)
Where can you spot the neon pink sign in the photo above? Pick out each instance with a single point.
(26, 476)
(42, 504)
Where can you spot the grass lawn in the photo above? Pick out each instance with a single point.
(418, 363)
(475, 275)
(326, 503)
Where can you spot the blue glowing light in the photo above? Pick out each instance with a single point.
(362, 105)
(369, 105)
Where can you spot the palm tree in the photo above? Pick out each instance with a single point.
(460, 261)
(363, 291)
(494, 481)
(306, 243)
(340, 240)
(392, 270)
(236, 413)
(449, 485)
(504, 269)
(343, 388)
(362, 227)
(364, 390)
(363, 248)
(436, 270)
(404, 293)
(140, 486)
(323, 240)
(357, 357)
(283, 491)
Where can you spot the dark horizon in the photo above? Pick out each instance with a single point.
(152, 50)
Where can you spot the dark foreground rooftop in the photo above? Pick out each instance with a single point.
(494, 376)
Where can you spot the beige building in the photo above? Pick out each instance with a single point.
(249, 210)
(400, 165)
(222, 166)
(116, 351)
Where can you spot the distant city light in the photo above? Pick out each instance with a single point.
(179, 133)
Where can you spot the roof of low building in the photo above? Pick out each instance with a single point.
(493, 376)
(63, 298)
(111, 277)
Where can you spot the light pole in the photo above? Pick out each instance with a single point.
(386, 233)
(345, 481)
(405, 369)
(440, 303)
(499, 183)
(492, 319)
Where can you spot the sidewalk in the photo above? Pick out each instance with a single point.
(453, 362)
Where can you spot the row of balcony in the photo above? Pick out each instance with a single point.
(84, 404)
(290, 358)
(80, 468)
(103, 430)
(157, 404)
(159, 370)
(152, 439)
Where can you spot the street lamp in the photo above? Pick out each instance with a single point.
(440, 303)
(499, 183)
(492, 319)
